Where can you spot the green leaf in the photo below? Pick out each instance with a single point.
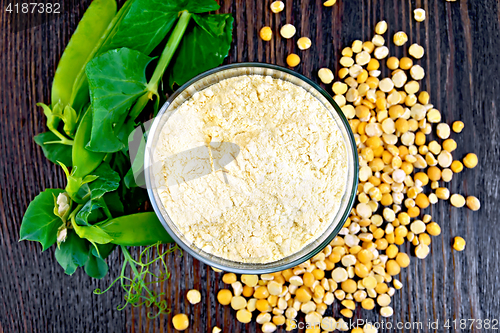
(90, 212)
(105, 180)
(112, 200)
(124, 132)
(72, 253)
(82, 192)
(116, 79)
(89, 179)
(104, 250)
(93, 233)
(197, 6)
(91, 190)
(39, 222)
(205, 45)
(108, 180)
(95, 266)
(120, 162)
(54, 151)
(148, 22)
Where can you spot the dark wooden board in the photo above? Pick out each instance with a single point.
(462, 45)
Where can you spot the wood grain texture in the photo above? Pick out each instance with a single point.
(462, 44)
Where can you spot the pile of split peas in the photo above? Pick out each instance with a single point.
(401, 173)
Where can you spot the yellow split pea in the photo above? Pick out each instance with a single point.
(329, 3)
(381, 27)
(400, 38)
(277, 6)
(416, 51)
(419, 14)
(458, 126)
(304, 43)
(293, 60)
(266, 34)
(473, 203)
(287, 31)
(470, 160)
(180, 322)
(459, 243)
(193, 296)
(326, 75)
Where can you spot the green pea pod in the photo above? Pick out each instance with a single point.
(139, 229)
(84, 160)
(78, 51)
(80, 92)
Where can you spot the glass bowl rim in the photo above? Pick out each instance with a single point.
(262, 269)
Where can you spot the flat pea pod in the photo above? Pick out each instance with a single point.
(80, 93)
(84, 160)
(139, 229)
(77, 53)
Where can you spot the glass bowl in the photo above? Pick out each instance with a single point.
(209, 78)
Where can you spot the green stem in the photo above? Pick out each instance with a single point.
(139, 105)
(167, 54)
(129, 259)
(73, 214)
(172, 44)
(107, 157)
(64, 140)
(105, 208)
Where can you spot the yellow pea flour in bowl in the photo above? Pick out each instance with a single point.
(250, 169)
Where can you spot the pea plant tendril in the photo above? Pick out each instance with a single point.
(137, 291)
